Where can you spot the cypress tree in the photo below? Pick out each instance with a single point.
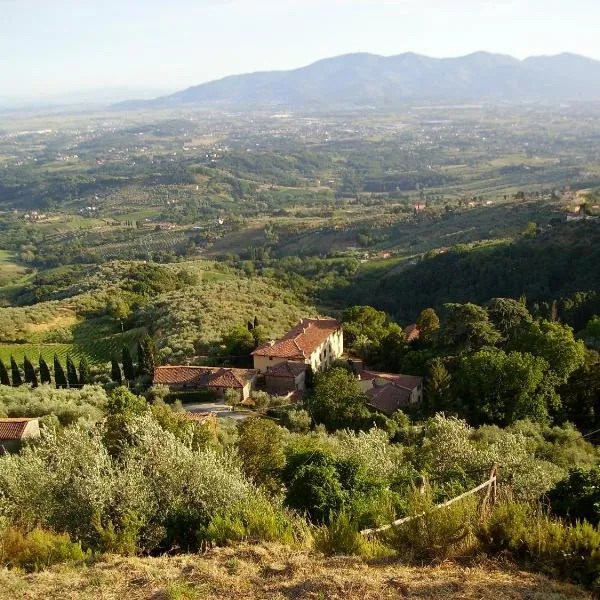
(256, 323)
(60, 379)
(128, 370)
(44, 371)
(72, 378)
(148, 351)
(85, 374)
(29, 369)
(16, 374)
(4, 378)
(115, 371)
(141, 356)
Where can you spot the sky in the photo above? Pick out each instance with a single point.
(51, 48)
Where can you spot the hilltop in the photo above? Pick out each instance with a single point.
(269, 571)
(369, 80)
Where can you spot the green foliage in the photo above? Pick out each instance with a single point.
(323, 485)
(237, 344)
(4, 378)
(85, 374)
(115, 371)
(364, 322)
(508, 315)
(341, 536)
(540, 542)
(30, 374)
(38, 549)
(496, 387)
(337, 401)
(128, 368)
(15, 373)
(261, 447)
(577, 497)
(467, 327)
(428, 323)
(60, 378)
(67, 406)
(72, 377)
(45, 376)
(146, 357)
(552, 341)
(437, 534)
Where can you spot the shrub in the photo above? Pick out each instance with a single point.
(260, 446)
(341, 536)
(578, 496)
(297, 420)
(543, 543)
(38, 549)
(439, 533)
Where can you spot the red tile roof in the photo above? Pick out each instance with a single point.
(388, 398)
(286, 369)
(301, 341)
(199, 377)
(13, 429)
(405, 381)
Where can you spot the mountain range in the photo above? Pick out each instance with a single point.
(361, 80)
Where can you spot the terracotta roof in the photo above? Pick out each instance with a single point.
(411, 332)
(406, 381)
(182, 375)
(388, 398)
(301, 341)
(286, 369)
(232, 378)
(13, 429)
(203, 376)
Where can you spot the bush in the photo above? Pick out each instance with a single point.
(439, 533)
(341, 536)
(543, 543)
(578, 496)
(192, 396)
(38, 549)
(297, 420)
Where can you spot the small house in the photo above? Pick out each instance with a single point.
(217, 379)
(13, 432)
(388, 392)
(286, 377)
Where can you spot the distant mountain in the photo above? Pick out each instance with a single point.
(355, 80)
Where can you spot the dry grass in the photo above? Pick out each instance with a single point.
(277, 572)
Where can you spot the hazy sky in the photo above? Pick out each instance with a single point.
(50, 47)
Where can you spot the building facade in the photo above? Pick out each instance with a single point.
(313, 342)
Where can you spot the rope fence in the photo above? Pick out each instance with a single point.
(490, 484)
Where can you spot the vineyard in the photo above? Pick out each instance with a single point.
(95, 339)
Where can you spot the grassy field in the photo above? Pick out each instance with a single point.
(10, 271)
(278, 573)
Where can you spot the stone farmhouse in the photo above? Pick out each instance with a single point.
(13, 432)
(388, 392)
(217, 379)
(314, 342)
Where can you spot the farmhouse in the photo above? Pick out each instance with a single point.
(314, 342)
(286, 377)
(388, 392)
(217, 379)
(14, 431)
